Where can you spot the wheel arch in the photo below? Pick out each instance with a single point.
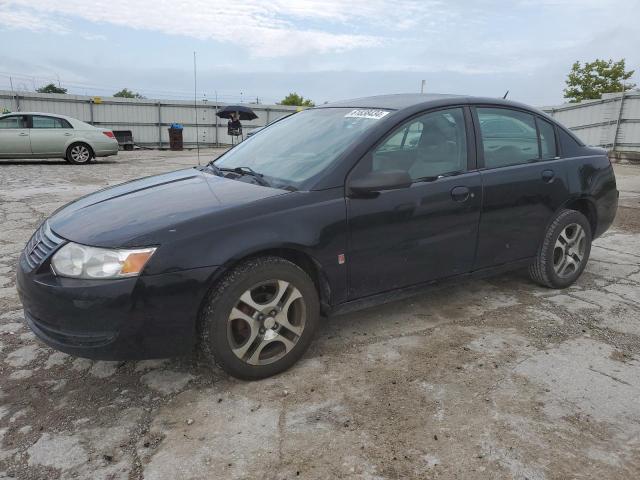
(299, 257)
(586, 207)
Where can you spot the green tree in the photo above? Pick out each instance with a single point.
(51, 88)
(126, 93)
(297, 101)
(591, 80)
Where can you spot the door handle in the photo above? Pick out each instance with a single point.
(461, 194)
(23, 134)
(67, 134)
(548, 175)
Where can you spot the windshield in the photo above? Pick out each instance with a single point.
(295, 149)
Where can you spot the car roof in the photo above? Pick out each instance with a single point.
(401, 101)
(46, 114)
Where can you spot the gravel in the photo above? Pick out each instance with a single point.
(494, 378)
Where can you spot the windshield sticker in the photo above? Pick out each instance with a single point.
(373, 114)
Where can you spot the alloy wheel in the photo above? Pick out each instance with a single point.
(80, 154)
(569, 250)
(266, 322)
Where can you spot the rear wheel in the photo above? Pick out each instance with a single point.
(564, 252)
(79, 153)
(260, 319)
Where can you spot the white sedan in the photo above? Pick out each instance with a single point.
(45, 135)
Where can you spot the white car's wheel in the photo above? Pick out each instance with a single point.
(79, 153)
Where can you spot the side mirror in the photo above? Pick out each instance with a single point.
(375, 182)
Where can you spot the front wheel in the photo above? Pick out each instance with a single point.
(260, 318)
(564, 252)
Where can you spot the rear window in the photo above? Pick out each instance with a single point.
(509, 137)
(49, 122)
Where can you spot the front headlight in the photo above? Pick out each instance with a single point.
(80, 261)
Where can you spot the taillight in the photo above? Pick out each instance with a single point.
(109, 134)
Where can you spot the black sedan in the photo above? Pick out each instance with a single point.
(333, 208)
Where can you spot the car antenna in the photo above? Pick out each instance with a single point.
(505, 95)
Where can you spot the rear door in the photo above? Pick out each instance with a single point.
(14, 136)
(523, 183)
(49, 135)
(428, 230)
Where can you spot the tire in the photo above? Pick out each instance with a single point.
(564, 252)
(242, 332)
(79, 153)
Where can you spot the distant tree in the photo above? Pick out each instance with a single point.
(297, 101)
(51, 88)
(126, 93)
(591, 80)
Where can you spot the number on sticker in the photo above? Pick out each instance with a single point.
(369, 113)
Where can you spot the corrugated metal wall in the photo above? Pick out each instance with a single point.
(612, 122)
(149, 120)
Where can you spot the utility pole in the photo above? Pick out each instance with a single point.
(195, 104)
(422, 85)
(217, 142)
(14, 94)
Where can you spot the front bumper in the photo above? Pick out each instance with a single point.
(151, 316)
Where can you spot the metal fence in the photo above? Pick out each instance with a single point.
(149, 120)
(612, 122)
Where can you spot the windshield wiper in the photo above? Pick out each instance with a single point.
(240, 171)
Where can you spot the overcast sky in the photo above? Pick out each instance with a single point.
(323, 49)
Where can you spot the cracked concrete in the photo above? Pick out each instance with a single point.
(494, 378)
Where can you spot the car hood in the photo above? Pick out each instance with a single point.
(140, 212)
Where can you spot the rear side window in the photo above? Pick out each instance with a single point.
(509, 137)
(547, 139)
(12, 122)
(570, 147)
(49, 122)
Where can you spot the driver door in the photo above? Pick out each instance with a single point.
(427, 231)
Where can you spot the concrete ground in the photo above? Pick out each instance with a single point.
(492, 379)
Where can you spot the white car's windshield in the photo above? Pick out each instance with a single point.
(299, 147)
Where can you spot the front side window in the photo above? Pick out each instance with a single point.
(12, 122)
(547, 139)
(299, 148)
(49, 122)
(509, 137)
(426, 147)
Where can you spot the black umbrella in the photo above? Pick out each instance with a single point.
(245, 113)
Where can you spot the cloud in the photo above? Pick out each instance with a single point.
(429, 38)
(277, 28)
(27, 20)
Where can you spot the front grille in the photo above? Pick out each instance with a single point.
(40, 246)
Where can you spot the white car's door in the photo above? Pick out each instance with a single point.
(49, 135)
(14, 136)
